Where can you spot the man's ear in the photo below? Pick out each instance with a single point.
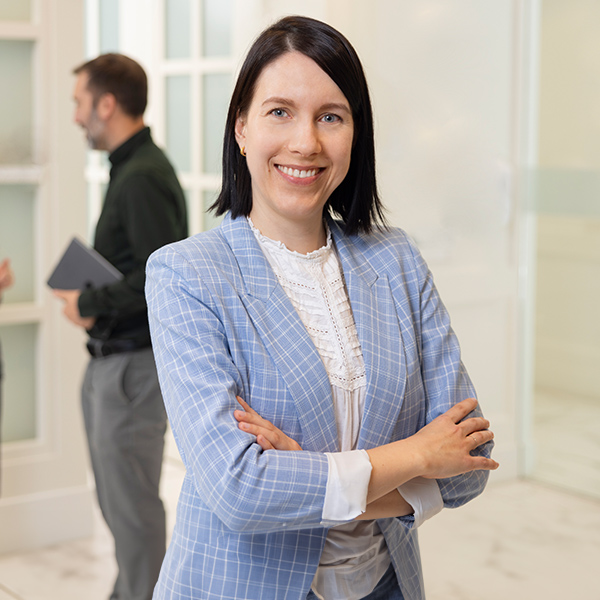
(240, 131)
(106, 106)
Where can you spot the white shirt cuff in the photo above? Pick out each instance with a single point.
(424, 496)
(347, 486)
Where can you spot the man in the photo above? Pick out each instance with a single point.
(7, 278)
(124, 416)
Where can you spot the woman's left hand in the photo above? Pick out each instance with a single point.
(268, 437)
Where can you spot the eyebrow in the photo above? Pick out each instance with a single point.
(289, 102)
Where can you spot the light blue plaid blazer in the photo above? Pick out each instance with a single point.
(248, 522)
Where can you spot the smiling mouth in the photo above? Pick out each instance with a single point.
(299, 173)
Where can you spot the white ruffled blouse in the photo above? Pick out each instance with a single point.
(355, 555)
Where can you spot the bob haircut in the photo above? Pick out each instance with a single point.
(356, 200)
(120, 76)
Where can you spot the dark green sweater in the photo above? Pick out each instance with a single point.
(144, 209)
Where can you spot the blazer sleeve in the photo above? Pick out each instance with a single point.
(445, 378)
(193, 336)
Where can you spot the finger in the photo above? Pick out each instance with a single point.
(484, 464)
(240, 415)
(459, 411)
(249, 427)
(249, 418)
(474, 424)
(245, 406)
(264, 443)
(265, 434)
(478, 438)
(261, 440)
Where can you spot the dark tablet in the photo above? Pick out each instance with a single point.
(82, 267)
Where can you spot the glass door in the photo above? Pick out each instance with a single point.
(194, 83)
(20, 179)
(43, 466)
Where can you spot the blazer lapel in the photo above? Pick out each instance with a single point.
(380, 338)
(286, 339)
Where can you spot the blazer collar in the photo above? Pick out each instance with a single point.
(259, 279)
(285, 338)
(380, 336)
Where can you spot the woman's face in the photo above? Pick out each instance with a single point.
(297, 136)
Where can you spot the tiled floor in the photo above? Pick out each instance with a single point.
(518, 541)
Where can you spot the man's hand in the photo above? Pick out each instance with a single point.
(71, 308)
(7, 277)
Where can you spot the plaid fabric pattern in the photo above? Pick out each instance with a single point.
(249, 522)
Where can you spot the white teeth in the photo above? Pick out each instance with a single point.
(297, 172)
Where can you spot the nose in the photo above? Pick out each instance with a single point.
(305, 139)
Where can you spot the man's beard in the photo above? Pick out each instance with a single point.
(95, 140)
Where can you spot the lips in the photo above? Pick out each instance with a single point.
(298, 173)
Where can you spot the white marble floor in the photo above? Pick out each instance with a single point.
(518, 541)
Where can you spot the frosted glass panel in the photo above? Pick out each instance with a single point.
(572, 192)
(216, 33)
(216, 91)
(91, 156)
(17, 209)
(15, 10)
(210, 221)
(178, 28)
(179, 116)
(19, 383)
(16, 115)
(109, 25)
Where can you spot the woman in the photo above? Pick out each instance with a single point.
(311, 377)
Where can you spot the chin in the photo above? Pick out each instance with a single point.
(94, 145)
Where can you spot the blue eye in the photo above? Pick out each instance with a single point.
(279, 112)
(330, 118)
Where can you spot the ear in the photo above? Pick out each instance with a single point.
(240, 131)
(106, 106)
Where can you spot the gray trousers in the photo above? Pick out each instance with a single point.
(125, 422)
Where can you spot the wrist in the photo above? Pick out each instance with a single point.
(392, 465)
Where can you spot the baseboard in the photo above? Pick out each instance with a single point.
(45, 519)
(568, 367)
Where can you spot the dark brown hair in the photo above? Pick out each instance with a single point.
(120, 76)
(356, 200)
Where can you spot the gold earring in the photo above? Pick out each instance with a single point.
(243, 151)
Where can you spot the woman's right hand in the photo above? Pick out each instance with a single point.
(268, 437)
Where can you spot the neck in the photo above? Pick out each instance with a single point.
(298, 237)
(122, 131)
